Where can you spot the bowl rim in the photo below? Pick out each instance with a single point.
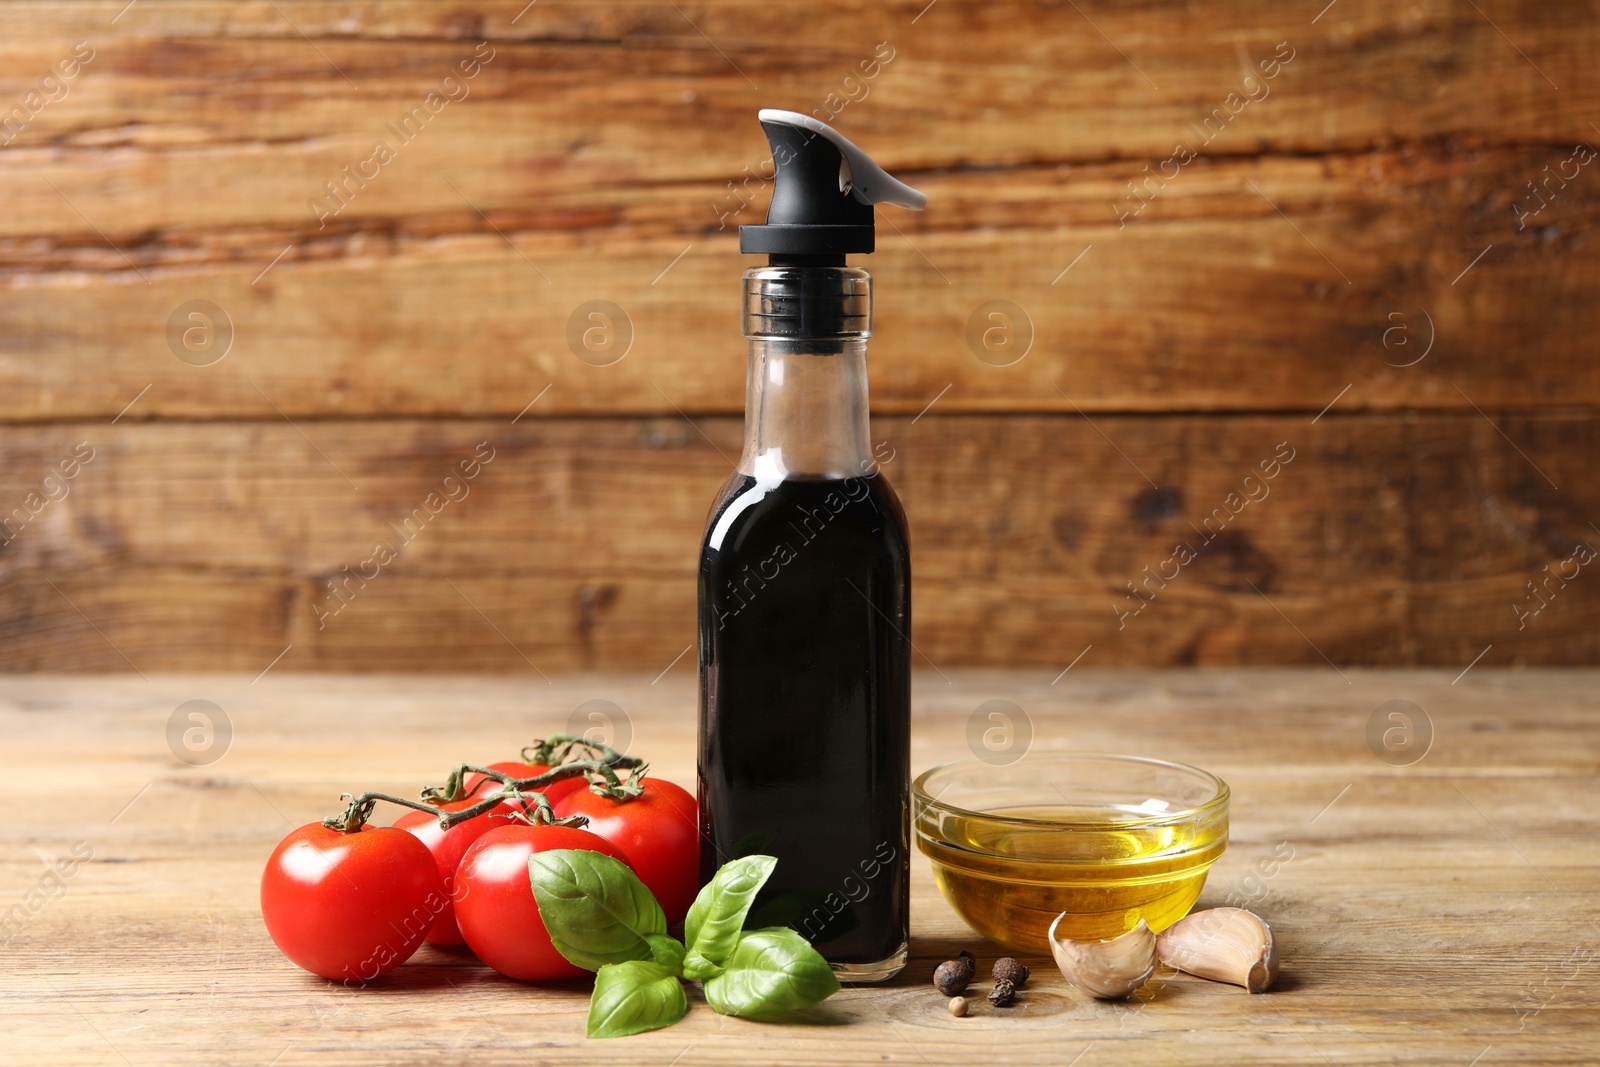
(1219, 798)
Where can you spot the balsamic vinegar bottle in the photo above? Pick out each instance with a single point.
(805, 582)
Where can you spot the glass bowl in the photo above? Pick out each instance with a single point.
(1108, 840)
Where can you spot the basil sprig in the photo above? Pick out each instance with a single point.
(716, 918)
(602, 918)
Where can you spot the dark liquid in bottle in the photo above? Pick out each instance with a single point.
(805, 608)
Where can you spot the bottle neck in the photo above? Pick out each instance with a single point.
(806, 386)
(805, 410)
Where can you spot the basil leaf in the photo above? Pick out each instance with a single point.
(696, 967)
(667, 951)
(596, 909)
(711, 930)
(772, 970)
(632, 997)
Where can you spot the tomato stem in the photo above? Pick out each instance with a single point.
(520, 791)
(558, 748)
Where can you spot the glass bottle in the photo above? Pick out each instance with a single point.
(804, 621)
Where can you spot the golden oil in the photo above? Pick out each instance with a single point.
(1104, 867)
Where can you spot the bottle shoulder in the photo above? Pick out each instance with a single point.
(745, 504)
(885, 495)
(738, 486)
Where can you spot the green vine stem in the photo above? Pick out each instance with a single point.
(523, 791)
(557, 749)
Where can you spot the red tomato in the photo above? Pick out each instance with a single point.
(447, 847)
(521, 770)
(350, 907)
(494, 899)
(659, 830)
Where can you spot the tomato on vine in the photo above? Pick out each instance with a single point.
(350, 906)
(351, 902)
(494, 902)
(448, 846)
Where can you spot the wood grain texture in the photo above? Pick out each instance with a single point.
(600, 142)
(1361, 237)
(1381, 539)
(1431, 913)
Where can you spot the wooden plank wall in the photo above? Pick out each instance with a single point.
(1379, 260)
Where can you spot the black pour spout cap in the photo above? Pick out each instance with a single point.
(823, 189)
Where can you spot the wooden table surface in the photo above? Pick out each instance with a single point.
(1440, 912)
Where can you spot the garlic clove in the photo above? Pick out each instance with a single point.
(1224, 945)
(1106, 969)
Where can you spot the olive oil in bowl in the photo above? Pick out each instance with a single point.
(1123, 839)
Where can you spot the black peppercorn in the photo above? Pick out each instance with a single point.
(1003, 993)
(1008, 968)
